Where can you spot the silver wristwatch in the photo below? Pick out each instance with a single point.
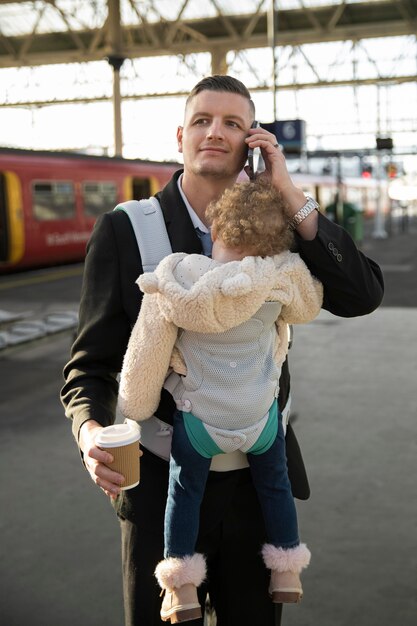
(310, 206)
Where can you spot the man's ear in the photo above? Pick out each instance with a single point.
(179, 138)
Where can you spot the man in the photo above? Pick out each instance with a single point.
(214, 141)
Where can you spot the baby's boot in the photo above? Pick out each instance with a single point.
(179, 579)
(286, 566)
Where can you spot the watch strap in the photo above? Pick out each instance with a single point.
(310, 206)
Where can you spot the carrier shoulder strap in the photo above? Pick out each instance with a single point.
(150, 230)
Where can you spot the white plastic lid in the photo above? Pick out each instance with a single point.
(118, 435)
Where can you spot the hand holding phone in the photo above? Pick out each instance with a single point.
(251, 170)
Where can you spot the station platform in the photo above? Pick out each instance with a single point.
(353, 388)
(396, 254)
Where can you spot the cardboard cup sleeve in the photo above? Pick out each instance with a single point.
(122, 441)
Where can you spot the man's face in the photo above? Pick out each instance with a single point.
(212, 138)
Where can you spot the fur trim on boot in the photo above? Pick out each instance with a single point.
(174, 572)
(179, 578)
(286, 560)
(286, 565)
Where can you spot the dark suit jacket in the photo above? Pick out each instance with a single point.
(110, 303)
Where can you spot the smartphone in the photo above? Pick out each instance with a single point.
(252, 172)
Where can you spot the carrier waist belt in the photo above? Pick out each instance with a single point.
(156, 436)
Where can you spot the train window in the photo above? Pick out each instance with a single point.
(53, 200)
(99, 198)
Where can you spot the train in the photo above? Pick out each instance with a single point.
(49, 201)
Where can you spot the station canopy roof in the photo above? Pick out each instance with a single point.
(55, 51)
(53, 31)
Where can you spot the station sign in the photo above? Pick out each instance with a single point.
(384, 143)
(291, 134)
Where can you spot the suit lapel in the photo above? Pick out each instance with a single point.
(181, 231)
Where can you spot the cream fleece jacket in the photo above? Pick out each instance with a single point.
(196, 293)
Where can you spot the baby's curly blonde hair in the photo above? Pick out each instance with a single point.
(251, 216)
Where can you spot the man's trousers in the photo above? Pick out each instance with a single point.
(231, 536)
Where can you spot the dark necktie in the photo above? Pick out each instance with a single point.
(206, 242)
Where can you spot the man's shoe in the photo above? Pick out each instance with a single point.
(180, 605)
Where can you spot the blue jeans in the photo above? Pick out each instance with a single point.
(188, 472)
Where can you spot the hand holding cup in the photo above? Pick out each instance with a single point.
(122, 442)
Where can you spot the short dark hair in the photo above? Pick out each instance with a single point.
(219, 82)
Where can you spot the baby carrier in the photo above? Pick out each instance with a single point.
(148, 224)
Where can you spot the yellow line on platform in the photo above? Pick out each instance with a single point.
(67, 273)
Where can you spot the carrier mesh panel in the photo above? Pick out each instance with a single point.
(232, 375)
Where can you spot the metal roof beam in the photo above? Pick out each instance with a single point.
(381, 80)
(174, 27)
(149, 33)
(408, 13)
(73, 34)
(338, 12)
(27, 41)
(299, 26)
(225, 20)
(311, 17)
(93, 50)
(253, 20)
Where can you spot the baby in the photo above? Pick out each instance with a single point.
(221, 324)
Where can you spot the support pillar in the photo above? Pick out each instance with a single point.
(272, 28)
(218, 61)
(116, 63)
(116, 60)
(379, 231)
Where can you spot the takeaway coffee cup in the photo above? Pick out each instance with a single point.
(122, 441)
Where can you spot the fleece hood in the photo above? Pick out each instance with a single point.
(199, 294)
